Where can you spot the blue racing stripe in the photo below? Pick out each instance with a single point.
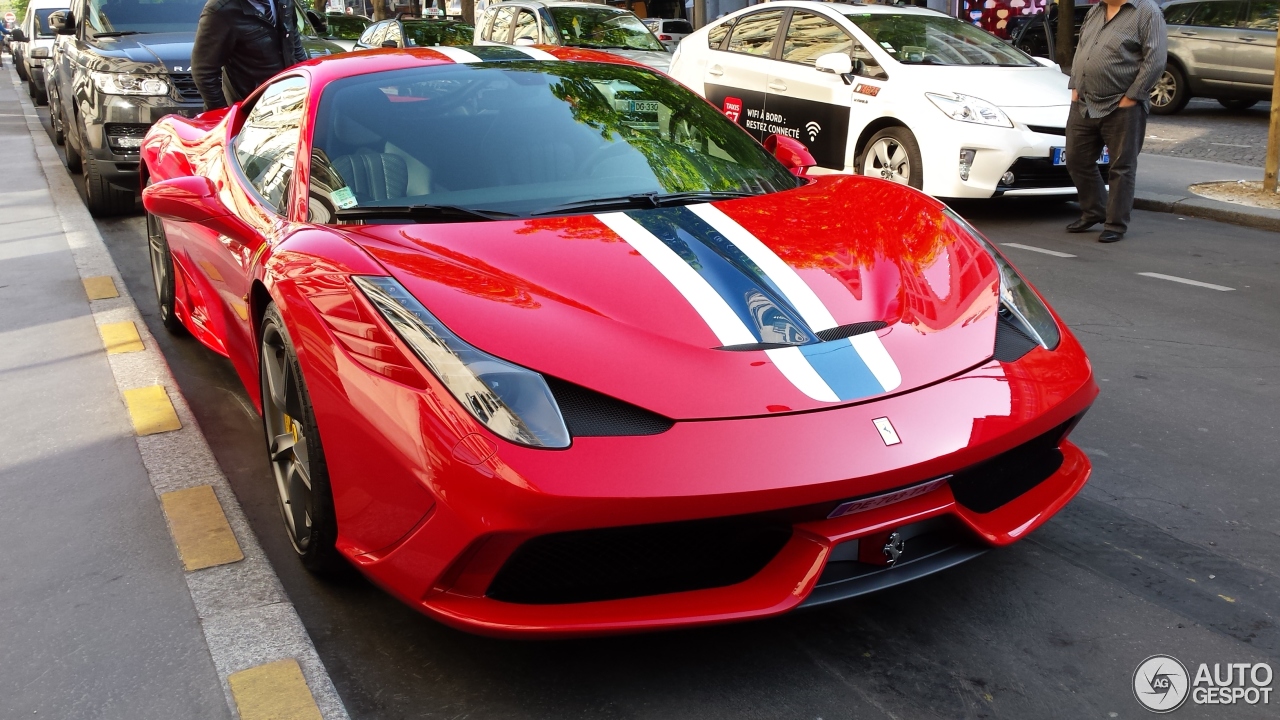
(751, 295)
(843, 369)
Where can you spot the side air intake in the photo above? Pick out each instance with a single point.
(588, 413)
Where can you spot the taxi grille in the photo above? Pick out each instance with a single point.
(1031, 173)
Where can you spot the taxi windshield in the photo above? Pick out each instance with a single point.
(130, 17)
(937, 40)
(426, 33)
(42, 21)
(544, 136)
(603, 28)
(346, 27)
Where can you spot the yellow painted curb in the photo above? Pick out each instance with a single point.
(200, 528)
(151, 411)
(121, 337)
(100, 287)
(275, 691)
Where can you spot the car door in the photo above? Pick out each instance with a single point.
(1256, 51)
(736, 76)
(1209, 43)
(500, 30)
(526, 27)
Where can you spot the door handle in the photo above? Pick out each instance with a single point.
(1249, 39)
(776, 85)
(1190, 32)
(715, 70)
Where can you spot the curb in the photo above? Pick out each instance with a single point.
(1195, 206)
(246, 618)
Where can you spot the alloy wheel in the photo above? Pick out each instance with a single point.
(157, 246)
(1166, 87)
(889, 160)
(286, 437)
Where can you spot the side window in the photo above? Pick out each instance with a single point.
(393, 34)
(1217, 14)
(1262, 15)
(717, 34)
(870, 66)
(526, 27)
(810, 36)
(366, 37)
(1178, 14)
(502, 25)
(754, 34)
(268, 142)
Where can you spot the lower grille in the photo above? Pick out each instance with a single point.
(185, 85)
(125, 137)
(1032, 173)
(1011, 342)
(996, 482)
(637, 561)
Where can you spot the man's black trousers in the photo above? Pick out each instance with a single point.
(1122, 132)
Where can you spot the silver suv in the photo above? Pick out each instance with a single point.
(595, 26)
(1221, 49)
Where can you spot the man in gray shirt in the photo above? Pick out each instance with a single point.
(1120, 57)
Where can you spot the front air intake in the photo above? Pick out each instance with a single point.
(588, 413)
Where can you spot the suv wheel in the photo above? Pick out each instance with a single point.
(55, 121)
(103, 198)
(37, 97)
(1170, 93)
(1237, 105)
(71, 158)
(22, 72)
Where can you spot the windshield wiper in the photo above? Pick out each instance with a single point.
(119, 33)
(648, 200)
(420, 213)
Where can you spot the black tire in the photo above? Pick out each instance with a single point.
(22, 71)
(295, 452)
(71, 158)
(1237, 105)
(103, 198)
(55, 120)
(162, 275)
(39, 97)
(1171, 93)
(893, 154)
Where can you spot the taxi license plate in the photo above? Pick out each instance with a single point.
(1059, 156)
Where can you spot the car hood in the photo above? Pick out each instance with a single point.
(153, 52)
(636, 305)
(1006, 87)
(652, 58)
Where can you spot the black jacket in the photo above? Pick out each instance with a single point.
(237, 49)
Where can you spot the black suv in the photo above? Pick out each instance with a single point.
(120, 65)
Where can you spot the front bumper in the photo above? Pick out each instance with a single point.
(117, 117)
(486, 499)
(996, 151)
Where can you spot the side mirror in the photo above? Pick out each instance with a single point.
(835, 63)
(62, 22)
(790, 152)
(318, 22)
(185, 199)
(390, 44)
(16, 35)
(525, 42)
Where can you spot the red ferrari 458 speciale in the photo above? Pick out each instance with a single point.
(545, 344)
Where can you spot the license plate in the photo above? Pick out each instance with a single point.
(1059, 156)
(640, 106)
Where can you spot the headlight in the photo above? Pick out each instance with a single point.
(966, 108)
(129, 84)
(1018, 302)
(512, 401)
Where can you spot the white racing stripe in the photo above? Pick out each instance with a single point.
(456, 54)
(535, 53)
(726, 325)
(877, 358)
(796, 368)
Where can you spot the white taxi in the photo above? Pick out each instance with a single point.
(903, 93)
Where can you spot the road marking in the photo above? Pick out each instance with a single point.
(275, 691)
(151, 410)
(100, 287)
(199, 528)
(1184, 281)
(121, 337)
(1033, 248)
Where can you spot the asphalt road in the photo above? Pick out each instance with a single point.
(1172, 547)
(1207, 131)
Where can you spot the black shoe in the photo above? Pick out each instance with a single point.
(1110, 236)
(1081, 225)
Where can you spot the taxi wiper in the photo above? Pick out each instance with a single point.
(648, 200)
(420, 213)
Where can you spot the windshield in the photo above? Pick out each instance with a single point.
(937, 40)
(42, 21)
(133, 16)
(346, 27)
(603, 28)
(542, 135)
(426, 34)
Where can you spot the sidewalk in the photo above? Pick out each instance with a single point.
(103, 475)
(1163, 182)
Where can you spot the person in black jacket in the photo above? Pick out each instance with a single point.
(240, 44)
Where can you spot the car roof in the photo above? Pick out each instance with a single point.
(42, 4)
(848, 8)
(559, 3)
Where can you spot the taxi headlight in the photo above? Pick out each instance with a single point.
(967, 108)
(512, 401)
(129, 84)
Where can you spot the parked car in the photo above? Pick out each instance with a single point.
(593, 374)
(903, 93)
(669, 31)
(344, 30)
(573, 24)
(414, 32)
(1220, 49)
(35, 46)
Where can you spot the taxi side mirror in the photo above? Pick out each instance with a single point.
(390, 44)
(834, 63)
(789, 151)
(16, 35)
(318, 22)
(525, 42)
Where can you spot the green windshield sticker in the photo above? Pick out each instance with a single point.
(343, 198)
